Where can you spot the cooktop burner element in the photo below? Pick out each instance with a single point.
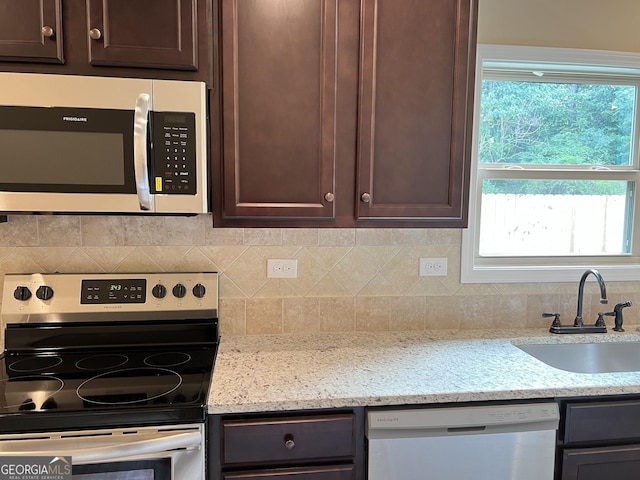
(35, 364)
(101, 362)
(107, 350)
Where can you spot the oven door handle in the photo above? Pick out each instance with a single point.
(154, 446)
(140, 143)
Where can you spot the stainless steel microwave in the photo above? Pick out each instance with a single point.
(102, 145)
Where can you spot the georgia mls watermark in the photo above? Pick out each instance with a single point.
(35, 468)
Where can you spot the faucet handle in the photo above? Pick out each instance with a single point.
(600, 321)
(556, 318)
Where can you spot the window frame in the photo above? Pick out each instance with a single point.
(607, 66)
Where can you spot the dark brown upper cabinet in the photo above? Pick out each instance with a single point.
(143, 33)
(279, 107)
(344, 113)
(415, 110)
(168, 39)
(31, 31)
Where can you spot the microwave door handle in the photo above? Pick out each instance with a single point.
(109, 453)
(140, 151)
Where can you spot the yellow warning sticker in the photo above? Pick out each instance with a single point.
(158, 184)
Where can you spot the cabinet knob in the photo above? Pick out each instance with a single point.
(366, 197)
(48, 31)
(289, 443)
(329, 197)
(95, 33)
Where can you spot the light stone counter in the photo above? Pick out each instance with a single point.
(289, 372)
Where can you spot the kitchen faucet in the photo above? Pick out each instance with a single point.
(603, 294)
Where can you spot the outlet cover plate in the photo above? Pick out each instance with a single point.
(433, 267)
(282, 268)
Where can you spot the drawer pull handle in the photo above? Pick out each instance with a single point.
(289, 443)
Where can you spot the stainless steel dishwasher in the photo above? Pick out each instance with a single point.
(497, 442)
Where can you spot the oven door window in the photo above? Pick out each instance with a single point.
(158, 469)
(66, 150)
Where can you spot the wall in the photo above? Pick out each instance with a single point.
(349, 279)
(588, 24)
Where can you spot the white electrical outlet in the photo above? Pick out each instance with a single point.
(282, 268)
(433, 267)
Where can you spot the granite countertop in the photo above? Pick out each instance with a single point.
(290, 372)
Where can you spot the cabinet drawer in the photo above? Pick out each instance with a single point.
(273, 440)
(598, 421)
(342, 472)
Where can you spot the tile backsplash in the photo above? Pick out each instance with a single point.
(348, 279)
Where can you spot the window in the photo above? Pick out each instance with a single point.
(555, 167)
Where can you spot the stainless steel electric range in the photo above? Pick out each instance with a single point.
(112, 370)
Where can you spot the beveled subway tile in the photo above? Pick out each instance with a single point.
(102, 230)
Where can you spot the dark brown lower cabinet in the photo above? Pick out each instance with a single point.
(619, 463)
(302, 445)
(599, 438)
(338, 472)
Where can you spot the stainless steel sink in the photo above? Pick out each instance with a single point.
(588, 357)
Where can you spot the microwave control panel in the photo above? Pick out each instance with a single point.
(174, 153)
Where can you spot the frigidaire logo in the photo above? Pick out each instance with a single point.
(75, 119)
(35, 468)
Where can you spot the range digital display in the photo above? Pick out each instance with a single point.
(113, 291)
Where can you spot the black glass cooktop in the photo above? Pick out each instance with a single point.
(44, 388)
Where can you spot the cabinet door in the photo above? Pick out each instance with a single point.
(31, 31)
(416, 88)
(279, 108)
(143, 33)
(342, 472)
(619, 463)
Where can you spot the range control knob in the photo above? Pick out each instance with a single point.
(44, 292)
(22, 293)
(159, 291)
(179, 290)
(199, 290)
